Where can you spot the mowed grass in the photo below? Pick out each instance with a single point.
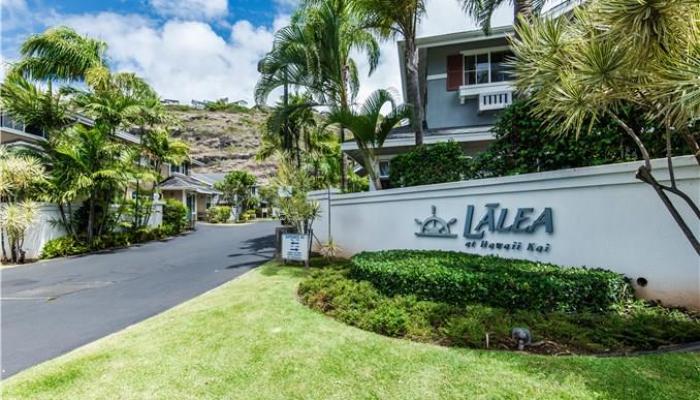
(252, 339)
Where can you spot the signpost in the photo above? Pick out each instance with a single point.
(295, 247)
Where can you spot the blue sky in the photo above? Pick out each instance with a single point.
(198, 49)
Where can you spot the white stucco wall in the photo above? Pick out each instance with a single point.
(44, 229)
(602, 217)
(41, 231)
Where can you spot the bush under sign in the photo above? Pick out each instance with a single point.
(295, 247)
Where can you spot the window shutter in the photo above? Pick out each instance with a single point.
(455, 71)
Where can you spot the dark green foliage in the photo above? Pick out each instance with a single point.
(218, 214)
(634, 326)
(460, 278)
(437, 163)
(524, 145)
(174, 216)
(356, 183)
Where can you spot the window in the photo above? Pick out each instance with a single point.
(180, 168)
(384, 169)
(500, 70)
(487, 67)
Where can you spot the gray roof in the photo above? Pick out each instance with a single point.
(183, 182)
(210, 178)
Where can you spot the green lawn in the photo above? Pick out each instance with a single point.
(252, 339)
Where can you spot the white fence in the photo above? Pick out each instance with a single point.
(45, 228)
(594, 216)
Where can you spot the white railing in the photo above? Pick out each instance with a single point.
(495, 100)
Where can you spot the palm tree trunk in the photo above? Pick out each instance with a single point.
(91, 218)
(522, 8)
(343, 166)
(2, 243)
(412, 87)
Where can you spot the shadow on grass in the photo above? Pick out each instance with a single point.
(275, 268)
(668, 376)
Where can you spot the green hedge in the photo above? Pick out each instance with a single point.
(636, 326)
(460, 278)
(424, 165)
(174, 216)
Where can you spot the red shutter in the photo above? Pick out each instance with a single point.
(455, 71)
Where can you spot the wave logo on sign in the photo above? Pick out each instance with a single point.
(434, 226)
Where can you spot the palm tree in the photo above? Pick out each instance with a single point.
(613, 54)
(160, 149)
(482, 10)
(59, 53)
(390, 19)
(115, 101)
(315, 53)
(92, 166)
(288, 128)
(370, 128)
(31, 105)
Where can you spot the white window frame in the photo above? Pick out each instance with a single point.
(487, 51)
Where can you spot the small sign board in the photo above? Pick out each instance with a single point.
(295, 247)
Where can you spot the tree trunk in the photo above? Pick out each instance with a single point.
(343, 167)
(91, 218)
(412, 88)
(2, 243)
(692, 143)
(644, 174)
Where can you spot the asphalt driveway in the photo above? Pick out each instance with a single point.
(50, 308)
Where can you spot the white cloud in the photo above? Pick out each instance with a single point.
(183, 60)
(188, 59)
(191, 9)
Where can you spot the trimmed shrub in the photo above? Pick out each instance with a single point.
(423, 165)
(218, 214)
(246, 216)
(460, 278)
(635, 326)
(62, 247)
(174, 216)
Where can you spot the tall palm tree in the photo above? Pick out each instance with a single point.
(91, 164)
(370, 128)
(315, 53)
(288, 128)
(114, 101)
(390, 19)
(30, 104)
(160, 149)
(482, 10)
(59, 53)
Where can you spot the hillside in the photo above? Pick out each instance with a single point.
(223, 140)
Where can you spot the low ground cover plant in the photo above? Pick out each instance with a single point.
(460, 278)
(69, 246)
(634, 325)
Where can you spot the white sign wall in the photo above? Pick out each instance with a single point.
(595, 217)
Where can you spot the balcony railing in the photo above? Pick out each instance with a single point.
(495, 100)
